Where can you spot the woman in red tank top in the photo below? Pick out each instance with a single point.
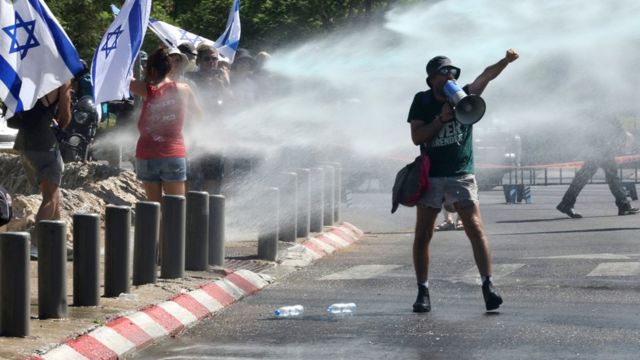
(160, 152)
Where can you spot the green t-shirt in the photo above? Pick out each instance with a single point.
(451, 150)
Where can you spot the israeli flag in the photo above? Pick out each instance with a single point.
(112, 65)
(173, 36)
(228, 42)
(36, 55)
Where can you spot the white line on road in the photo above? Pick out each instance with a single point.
(472, 276)
(616, 269)
(361, 272)
(605, 256)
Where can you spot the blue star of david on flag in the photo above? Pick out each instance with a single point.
(31, 42)
(185, 36)
(114, 44)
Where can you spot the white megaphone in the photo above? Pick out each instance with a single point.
(469, 109)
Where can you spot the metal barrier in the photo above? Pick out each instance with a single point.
(117, 237)
(15, 284)
(86, 260)
(173, 237)
(145, 246)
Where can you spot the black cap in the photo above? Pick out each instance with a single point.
(438, 63)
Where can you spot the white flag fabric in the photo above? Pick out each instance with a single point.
(227, 44)
(173, 36)
(36, 55)
(112, 65)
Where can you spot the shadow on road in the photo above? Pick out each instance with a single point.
(569, 231)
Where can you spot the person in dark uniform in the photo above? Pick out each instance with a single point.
(604, 140)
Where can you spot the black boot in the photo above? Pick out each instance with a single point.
(568, 210)
(492, 299)
(626, 209)
(423, 303)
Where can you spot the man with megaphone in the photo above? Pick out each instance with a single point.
(441, 121)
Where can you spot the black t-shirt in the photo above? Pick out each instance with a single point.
(451, 149)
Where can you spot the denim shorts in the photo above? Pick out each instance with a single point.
(450, 190)
(157, 170)
(43, 165)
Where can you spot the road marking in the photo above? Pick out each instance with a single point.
(471, 276)
(361, 272)
(604, 256)
(616, 269)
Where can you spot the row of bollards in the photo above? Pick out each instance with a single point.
(179, 234)
(194, 246)
(304, 202)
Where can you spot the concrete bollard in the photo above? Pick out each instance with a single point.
(288, 184)
(86, 260)
(268, 227)
(337, 183)
(329, 195)
(317, 200)
(117, 237)
(197, 241)
(15, 284)
(173, 236)
(145, 245)
(216, 230)
(304, 205)
(52, 274)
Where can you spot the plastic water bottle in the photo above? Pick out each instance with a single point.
(342, 309)
(289, 311)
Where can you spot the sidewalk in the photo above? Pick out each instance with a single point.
(133, 321)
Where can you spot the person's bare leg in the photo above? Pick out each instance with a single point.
(474, 228)
(173, 187)
(49, 207)
(425, 222)
(469, 213)
(153, 189)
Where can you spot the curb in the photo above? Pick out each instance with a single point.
(129, 333)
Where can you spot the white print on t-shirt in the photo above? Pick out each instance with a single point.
(451, 133)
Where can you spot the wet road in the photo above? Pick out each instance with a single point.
(570, 286)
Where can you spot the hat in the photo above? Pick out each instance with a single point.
(187, 48)
(439, 62)
(175, 51)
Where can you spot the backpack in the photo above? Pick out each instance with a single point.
(6, 213)
(412, 181)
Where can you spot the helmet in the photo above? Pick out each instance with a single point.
(84, 109)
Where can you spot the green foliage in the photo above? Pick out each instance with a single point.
(266, 24)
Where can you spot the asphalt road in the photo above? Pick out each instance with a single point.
(571, 290)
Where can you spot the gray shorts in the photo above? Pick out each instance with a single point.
(450, 190)
(43, 165)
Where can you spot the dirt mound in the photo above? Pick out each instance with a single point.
(86, 188)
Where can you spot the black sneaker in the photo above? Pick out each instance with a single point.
(423, 303)
(492, 300)
(568, 211)
(627, 210)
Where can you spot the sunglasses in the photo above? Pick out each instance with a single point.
(210, 58)
(448, 71)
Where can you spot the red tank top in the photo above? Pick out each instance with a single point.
(160, 124)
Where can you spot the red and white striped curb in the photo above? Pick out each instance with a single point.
(133, 332)
(323, 244)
